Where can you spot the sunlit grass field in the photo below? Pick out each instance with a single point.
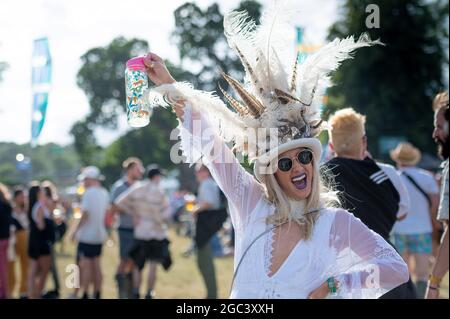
(182, 281)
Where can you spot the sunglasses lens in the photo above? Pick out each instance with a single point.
(285, 164)
(305, 157)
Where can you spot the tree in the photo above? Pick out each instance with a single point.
(199, 36)
(50, 161)
(101, 77)
(393, 84)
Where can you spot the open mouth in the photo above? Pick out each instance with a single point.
(299, 181)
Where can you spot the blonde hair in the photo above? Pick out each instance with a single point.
(346, 129)
(130, 162)
(4, 193)
(440, 100)
(321, 196)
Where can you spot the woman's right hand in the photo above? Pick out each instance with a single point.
(157, 70)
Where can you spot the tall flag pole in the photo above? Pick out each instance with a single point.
(40, 86)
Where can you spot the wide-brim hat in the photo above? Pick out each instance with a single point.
(406, 154)
(266, 164)
(92, 172)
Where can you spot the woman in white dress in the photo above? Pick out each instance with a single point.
(290, 240)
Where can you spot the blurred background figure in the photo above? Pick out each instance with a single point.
(20, 233)
(42, 237)
(5, 223)
(441, 137)
(133, 170)
(149, 208)
(372, 191)
(91, 232)
(210, 214)
(52, 199)
(413, 234)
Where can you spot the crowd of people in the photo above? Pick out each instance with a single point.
(405, 205)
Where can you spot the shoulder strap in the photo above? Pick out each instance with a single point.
(420, 189)
(246, 251)
(254, 240)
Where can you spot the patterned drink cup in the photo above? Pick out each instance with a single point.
(136, 84)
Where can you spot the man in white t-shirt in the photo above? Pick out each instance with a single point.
(413, 235)
(91, 231)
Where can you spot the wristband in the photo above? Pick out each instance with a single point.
(434, 281)
(331, 286)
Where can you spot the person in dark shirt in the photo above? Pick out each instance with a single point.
(5, 224)
(373, 192)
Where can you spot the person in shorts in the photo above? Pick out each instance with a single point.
(91, 231)
(149, 206)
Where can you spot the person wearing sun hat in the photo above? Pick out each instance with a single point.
(413, 235)
(290, 241)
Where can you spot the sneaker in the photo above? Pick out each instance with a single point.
(52, 294)
(150, 295)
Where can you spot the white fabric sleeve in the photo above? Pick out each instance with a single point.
(431, 185)
(394, 177)
(367, 266)
(125, 201)
(200, 140)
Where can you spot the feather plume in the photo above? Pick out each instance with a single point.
(315, 70)
(238, 107)
(253, 104)
(293, 88)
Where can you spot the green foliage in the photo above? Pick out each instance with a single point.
(200, 39)
(394, 84)
(49, 161)
(151, 144)
(101, 77)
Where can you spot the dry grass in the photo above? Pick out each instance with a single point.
(183, 280)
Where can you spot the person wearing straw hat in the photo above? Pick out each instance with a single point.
(290, 240)
(413, 235)
(91, 232)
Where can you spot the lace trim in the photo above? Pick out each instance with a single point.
(268, 250)
(383, 251)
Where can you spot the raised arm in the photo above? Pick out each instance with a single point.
(367, 266)
(202, 135)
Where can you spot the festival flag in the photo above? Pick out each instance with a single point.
(40, 85)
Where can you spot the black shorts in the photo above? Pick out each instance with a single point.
(151, 250)
(89, 250)
(38, 249)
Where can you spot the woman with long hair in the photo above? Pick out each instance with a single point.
(5, 223)
(292, 240)
(40, 240)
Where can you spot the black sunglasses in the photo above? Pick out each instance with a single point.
(304, 157)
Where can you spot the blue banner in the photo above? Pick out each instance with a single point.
(40, 84)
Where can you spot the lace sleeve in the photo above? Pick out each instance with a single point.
(367, 266)
(202, 137)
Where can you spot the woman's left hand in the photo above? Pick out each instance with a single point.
(320, 293)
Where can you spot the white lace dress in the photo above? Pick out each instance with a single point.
(341, 245)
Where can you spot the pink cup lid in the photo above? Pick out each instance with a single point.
(136, 63)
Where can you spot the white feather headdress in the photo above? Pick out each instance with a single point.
(278, 92)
